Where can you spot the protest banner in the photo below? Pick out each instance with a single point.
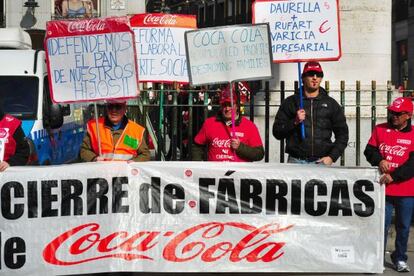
(160, 46)
(91, 60)
(229, 53)
(190, 217)
(301, 30)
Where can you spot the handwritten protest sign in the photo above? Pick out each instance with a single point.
(301, 30)
(230, 53)
(160, 46)
(91, 60)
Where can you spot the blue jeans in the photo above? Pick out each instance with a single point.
(404, 209)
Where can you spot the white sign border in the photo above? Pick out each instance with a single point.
(235, 80)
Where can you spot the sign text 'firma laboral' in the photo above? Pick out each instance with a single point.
(190, 217)
(301, 30)
(160, 46)
(91, 59)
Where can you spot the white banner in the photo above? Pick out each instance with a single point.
(301, 30)
(228, 53)
(190, 217)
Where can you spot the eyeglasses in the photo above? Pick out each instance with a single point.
(313, 73)
(116, 106)
(397, 114)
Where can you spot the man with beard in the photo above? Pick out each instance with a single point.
(391, 148)
(321, 116)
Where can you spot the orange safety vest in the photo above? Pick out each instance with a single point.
(126, 146)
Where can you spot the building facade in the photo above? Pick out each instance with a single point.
(376, 35)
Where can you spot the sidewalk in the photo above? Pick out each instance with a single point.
(389, 271)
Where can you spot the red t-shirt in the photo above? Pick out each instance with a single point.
(216, 135)
(395, 147)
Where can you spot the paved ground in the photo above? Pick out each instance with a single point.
(389, 271)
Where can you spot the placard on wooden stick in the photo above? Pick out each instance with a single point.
(228, 54)
(301, 30)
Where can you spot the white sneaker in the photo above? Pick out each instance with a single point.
(402, 266)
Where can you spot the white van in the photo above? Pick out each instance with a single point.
(54, 131)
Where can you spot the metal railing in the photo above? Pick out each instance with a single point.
(173, 117)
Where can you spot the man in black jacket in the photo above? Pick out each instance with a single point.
(321, 116)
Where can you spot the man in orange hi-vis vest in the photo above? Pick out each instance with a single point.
(120, 138)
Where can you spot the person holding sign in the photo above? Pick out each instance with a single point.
(391, 148)
(321, 116)
(120, 139)
(14, 149)
(216, 135)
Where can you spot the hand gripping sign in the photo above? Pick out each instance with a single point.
(91, 60)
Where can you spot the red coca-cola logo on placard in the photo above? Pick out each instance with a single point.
(86, 26)
(167, 19)
(393, 150)
(206, 242)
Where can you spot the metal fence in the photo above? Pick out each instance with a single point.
(174, 116)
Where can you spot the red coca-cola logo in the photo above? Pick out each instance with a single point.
(3, 133)
(86, 26)
(393, 150)
(167, 19)
(206, 242)
(221, 143)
